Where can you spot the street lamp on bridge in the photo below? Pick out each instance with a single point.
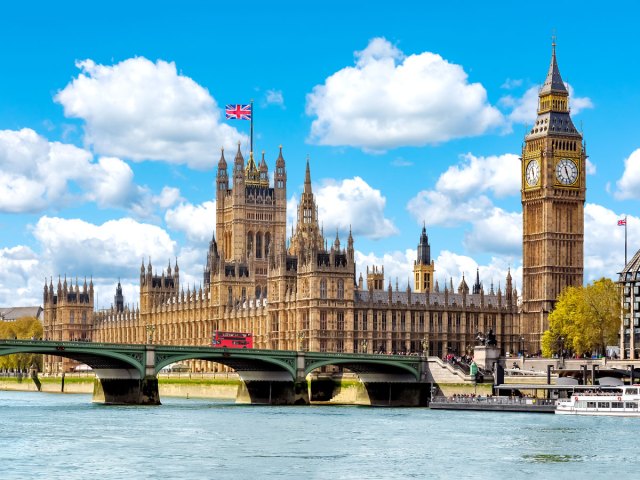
(150, 330)
(425, 346)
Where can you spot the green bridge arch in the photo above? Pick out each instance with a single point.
(122, 355)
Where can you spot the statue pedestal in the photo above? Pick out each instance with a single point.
(485, 357)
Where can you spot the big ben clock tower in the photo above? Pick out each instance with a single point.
(553, 195)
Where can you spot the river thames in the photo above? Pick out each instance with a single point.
(66, 436)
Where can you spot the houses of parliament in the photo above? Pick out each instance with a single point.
(300, 292)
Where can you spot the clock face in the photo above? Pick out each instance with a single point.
(566, 171)
(532, 173)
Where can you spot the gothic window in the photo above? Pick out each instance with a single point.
(421, 322)
(340, 323)
(375, 321)
(340, 346)
(71, 319)
(267, 244)
(393, 321)
(403, 324)
(323, 288)
(230, 298)
(84, 318)
(244, 294)
(340, 289)
(258, 291)
(323, 345)
(274, 322)
(249, 243)
(323, 320)
(364, 321)
(384, 322)
(258, 245)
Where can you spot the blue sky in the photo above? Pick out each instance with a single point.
(111, 124)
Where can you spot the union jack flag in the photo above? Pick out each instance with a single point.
(238, 112)
(622, 222)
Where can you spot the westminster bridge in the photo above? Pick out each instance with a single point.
(127, 374)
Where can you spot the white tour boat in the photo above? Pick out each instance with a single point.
(622, 401)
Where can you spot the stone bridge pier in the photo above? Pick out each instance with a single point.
(274, 387)
(128, 386)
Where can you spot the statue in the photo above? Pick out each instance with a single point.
(490, 341)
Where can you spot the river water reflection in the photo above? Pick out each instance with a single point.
(49, 436)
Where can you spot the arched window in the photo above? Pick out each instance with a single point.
(258, 245)
(340, 289)
(230, 298)
(258, 291)
(323, 288)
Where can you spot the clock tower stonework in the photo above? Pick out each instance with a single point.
(553, 194)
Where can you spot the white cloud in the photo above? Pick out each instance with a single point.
(20, 277)
(629, 184)
(511, 83)
(388, 100)
(38, 174)
(525, 109)
(604, 241)
(142, 110)
(274, 97)
(500, 232)
(463, 194)
(499, 174)
(109, 250)
(397, 265)
(437, 208)
(353, 203)
(197, 221)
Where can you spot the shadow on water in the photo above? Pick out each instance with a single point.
(552, 458)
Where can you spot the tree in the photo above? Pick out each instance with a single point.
(585, 319)
(22, 328)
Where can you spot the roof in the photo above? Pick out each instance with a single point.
(10, 314)
(553, 82)
(631, 270)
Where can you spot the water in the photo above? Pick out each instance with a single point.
(52, 436)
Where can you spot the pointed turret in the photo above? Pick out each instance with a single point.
(222, 178)
(553, 82)
(307, 178)
(463, 288)
(477, 287)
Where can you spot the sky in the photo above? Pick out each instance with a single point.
(411, 113)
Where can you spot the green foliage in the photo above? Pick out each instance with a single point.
(23, 328)
(585, 320)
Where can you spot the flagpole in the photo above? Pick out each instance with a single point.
(251, 120)
(625, 240)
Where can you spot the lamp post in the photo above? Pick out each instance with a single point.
(425, 346)
(363, 346)
(150, 330)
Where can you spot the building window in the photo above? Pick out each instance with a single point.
(340, 323)
(421, 322)
(393, 322)
(365, 325)
(274, 322)
(323, 320)
(323, 345)
(403, 323)
(230, 299)
(323, 288)
(340, 289)
(384, 321)
(340, 346)
(71, 319)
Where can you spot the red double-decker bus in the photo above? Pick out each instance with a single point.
(231, 340)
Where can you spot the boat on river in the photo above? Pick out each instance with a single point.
(621, 401)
